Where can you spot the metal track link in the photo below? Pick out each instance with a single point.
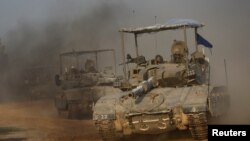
(106, 130)
(198, 126)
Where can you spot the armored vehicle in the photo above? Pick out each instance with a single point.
(39, 81)
(82, 83)
(170, 95)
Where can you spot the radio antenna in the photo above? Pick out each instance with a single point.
(225, 65)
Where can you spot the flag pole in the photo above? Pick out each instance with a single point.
(136, 46)
(123, 55)
(225, 65)
(185, 40)
(196, 44)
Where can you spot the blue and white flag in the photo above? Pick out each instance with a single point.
(203, 41)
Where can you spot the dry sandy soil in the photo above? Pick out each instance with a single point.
(38, 121)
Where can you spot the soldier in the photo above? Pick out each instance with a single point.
(197, 57)
(73, 70)
(159, 59)
(199, 64)
(90, 66)
(179, 51)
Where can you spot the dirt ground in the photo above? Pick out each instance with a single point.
(38, 121)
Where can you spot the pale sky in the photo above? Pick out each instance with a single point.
(227, 21)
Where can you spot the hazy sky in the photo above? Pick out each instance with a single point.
(221, 17)
(213, 12)
(227, 21)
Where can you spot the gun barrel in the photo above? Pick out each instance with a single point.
(144, 87)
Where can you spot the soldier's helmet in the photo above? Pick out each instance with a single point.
(178, 47)
(73, 70)
(90, 66)
(178, 50)
(158, 59)
(198, 57)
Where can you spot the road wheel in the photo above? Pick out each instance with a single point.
(107, 130)
(198, 125)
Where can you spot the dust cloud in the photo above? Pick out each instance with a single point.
(34, 45)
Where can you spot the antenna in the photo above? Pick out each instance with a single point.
(209, 77)
(134, 17)
(225, 65)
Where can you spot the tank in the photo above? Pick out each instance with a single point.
(82, 83)
(169, 95)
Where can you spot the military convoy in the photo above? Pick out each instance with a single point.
(159, 95)
(154, 97)
(82, 83)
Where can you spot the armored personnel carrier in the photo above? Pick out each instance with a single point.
(82, 83)
(170, 95)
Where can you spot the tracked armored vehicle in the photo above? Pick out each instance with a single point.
(170, 95)
(82, 83)
(39, 81)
